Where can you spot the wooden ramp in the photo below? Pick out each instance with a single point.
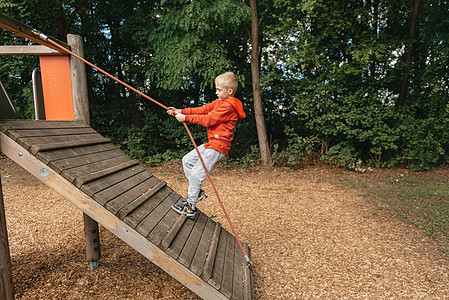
(113, 189)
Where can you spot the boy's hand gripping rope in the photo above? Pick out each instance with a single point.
(47, 39)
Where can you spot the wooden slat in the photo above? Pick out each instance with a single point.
(27, 50)
(103, 183)
(211, 253)
(48, 156)
(238, 285)
(117, 189)
(35, 148)
(157, 214)
(189, 249)
(139, 201)
(72, 174)
(77, 161)
(248, 277)
(200, 256)
(103, 173)
(117, 204)
(160, 230)
(172, 232)
(138, 215)
(6, 125)
(217, 274)
(27, 133)
(228, 270)
(175, 248)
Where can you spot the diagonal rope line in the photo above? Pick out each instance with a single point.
(47, 39)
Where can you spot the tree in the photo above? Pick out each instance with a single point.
(194, 42)
(255, 72)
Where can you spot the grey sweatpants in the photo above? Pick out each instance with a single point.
(194, 170)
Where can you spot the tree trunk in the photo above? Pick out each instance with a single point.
(255, 72)
(409, 52)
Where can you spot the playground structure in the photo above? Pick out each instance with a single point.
(112, 189)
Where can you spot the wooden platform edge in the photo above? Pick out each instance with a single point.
(87, 205)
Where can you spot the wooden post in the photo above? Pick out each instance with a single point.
(6, 287)
(79, 80)
(81, 109)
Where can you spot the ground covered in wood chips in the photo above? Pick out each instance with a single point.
(310, 236)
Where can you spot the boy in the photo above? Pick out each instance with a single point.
(220, 118)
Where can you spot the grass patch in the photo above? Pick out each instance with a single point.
(422, 202)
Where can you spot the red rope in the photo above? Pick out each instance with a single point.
(45, 38)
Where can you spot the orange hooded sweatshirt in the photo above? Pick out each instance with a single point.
(220, 118)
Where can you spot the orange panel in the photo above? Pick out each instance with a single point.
(57, 87)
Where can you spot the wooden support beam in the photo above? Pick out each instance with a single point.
(81, 111)
(28, 50)
(26, 31)
(79, 80)
(6, 287)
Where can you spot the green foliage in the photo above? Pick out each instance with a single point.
(194, 42)
(331, 74)
(297, 148)
(252, 158)
(425, 143)
(158, 158)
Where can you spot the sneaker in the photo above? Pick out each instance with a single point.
(184, 209)
(179, 207)
(201, 196)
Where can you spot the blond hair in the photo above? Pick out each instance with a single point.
(228, 80)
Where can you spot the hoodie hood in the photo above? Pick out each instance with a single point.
(237, 106)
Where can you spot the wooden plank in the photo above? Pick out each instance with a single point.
(212, 252)
(239, 265)
(217, 274)
(248, 293)
(107, 220)
(172, 232)
(27, 133)
(36, 144)
(6, 125)
(200, 256)
(116, 190)
(228, 270)
(68, 144)
(103, 173)
(81, 160)
(191, 245)
(72, 174)
(174, 250)
(108, 181)
(27, 50)
(136, 217)
(139, 201)
(26, 31)
(48, 156)
(123, 200)
(52, 139)
(160, 230)
(153, 218)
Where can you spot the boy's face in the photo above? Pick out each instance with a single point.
(223, 92)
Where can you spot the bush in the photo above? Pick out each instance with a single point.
(296, 149)
(425, 143)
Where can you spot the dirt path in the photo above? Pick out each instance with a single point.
(311, 236)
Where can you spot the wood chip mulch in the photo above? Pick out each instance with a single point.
(310, 237)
